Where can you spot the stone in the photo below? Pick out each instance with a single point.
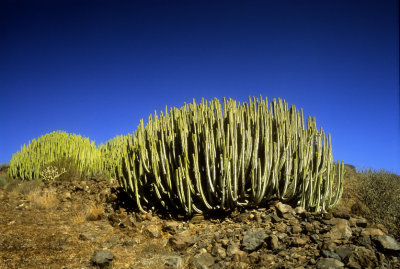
(299, 210)
(362, 257)
(232, 249)
(102, 258)
(253, 240)
(203, 260)
(329, 254)
(197, 219)
(300, 241)
(242, 217)
(309, 227)
(267, 259)
(273, 242)
(344, 253)
(170, 226)
(296, 229)
(87, 236)
(361, 222)
(341, 230)
(281, 227)
(284, 208)
(181, 241)
(387, 243)
(371, 232)
(174, 262)
(219, 251)
(329, 263)
(241, 256)
(342, 214)
(152, 230)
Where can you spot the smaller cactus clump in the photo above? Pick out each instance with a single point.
(30, 162)
(205, 157)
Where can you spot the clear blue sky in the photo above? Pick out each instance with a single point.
(97, 67)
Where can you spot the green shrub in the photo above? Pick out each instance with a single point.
(58, 146)
(205, 157)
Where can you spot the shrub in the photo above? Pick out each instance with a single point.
(380, 192)
(58, 146)
(205, 157)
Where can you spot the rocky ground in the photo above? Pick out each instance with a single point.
(86, 224)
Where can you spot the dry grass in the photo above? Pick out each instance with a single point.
(94, 211)
(89, 212)
(374, 195)
(43, 200)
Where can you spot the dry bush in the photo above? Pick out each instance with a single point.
(89, 212)
(380, 192)
(94, 211)
(43, 200)
(3, 181)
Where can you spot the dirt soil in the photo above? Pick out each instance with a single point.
(61, 224)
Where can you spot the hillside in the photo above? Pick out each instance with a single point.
(62, 224)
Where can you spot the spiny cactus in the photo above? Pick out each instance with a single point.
(204, 157)
(29, 162)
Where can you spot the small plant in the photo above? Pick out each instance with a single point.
(51, 173)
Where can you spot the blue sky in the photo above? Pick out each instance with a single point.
(96, 68)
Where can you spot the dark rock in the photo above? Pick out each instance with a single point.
(361, 223)
(362, 257)
(329, 254)
(252, 240)
(329, 263)
(243, 217)
(387, 243)
(275, 219)
(102, 258)
(342, 214)
(344, 253)
(273, 242)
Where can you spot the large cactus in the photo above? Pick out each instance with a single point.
(205, 157)
(30, 160)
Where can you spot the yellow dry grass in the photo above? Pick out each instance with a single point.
(43, 199)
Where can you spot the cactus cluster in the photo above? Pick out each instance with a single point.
(31, 160)
(205, 157)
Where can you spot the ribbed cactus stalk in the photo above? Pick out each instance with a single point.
(29, 162)
(205, 157)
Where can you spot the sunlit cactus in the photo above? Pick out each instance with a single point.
(205, 157)
(29, 162)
